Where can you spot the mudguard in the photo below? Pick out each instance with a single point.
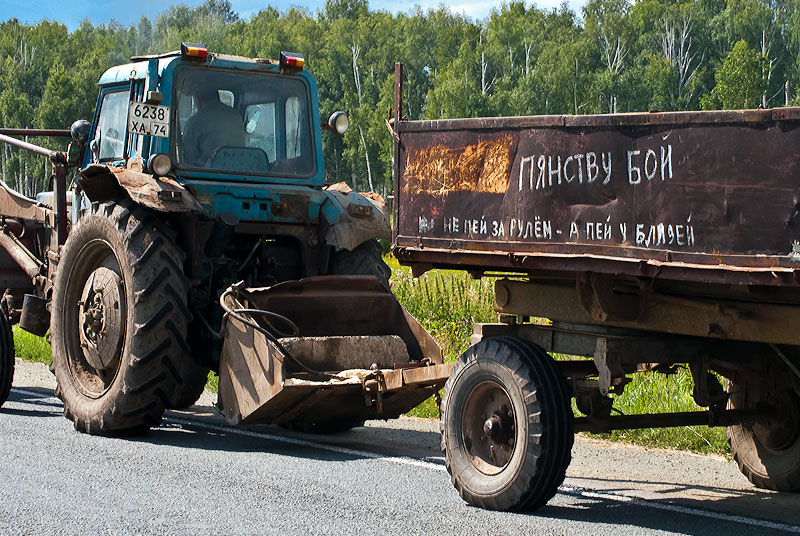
(102, 182)
(354, 218)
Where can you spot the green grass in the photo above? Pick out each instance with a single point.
(446, 303)
(29, 347)
(213, 382)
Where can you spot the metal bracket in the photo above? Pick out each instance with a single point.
(707, 391)
(609, 365)
(789, 363)
(597, 296)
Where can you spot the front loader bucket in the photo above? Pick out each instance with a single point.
(357, 354)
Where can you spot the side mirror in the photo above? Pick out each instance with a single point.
(80, 130)
(94, 147)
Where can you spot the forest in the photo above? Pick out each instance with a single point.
(614, 56)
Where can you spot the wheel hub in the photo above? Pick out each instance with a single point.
(489, 428)
(783, 432)
(101, 312)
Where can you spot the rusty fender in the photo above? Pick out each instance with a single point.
(354, 217)
(103, 182)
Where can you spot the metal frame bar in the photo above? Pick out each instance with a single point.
(670, 420)
(45, 132)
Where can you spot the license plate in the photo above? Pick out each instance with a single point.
(148, 119)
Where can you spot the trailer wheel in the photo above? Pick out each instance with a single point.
(365, 259)
(506, 425)
(6, 356)
(119, 321)
(768, 454)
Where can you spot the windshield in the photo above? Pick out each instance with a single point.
(253, 123)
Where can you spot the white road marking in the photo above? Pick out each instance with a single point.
(304, 443)
(403, 460)
(590, 494)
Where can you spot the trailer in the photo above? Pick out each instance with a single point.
(633, 242)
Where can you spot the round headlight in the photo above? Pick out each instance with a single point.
(159, 164)
(339, 122)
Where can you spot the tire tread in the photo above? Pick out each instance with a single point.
(157, 345)
(545, 393)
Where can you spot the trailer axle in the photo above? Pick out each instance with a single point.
(672, 420)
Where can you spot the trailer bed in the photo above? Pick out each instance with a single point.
(707, 197)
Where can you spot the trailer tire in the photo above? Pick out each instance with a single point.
(119, 321)
(768, 454)
(6, 356)
(365, 259)
(507, 394)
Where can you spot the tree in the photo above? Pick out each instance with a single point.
(740, 80)
(607, 22)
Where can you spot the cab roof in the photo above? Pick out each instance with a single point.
(137, 70)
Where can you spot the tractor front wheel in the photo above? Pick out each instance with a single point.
(365, 259)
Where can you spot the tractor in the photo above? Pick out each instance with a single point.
(198, 233)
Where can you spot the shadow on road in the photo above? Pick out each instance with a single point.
(49, 407)
(618, 514)
(192, 430)
(753, 502)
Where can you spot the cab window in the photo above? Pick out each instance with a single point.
(242, 122)
(111, 125)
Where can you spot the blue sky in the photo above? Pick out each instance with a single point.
(72, 12)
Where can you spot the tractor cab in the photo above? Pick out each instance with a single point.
(212, 116)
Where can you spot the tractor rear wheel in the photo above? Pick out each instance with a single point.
(6, 356)
(365, 259)
(119, 321)
(194, 378)
(506, 425)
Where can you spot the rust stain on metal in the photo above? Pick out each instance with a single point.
(441, 169)
(163, 194)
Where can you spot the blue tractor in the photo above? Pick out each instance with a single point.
(198, 234)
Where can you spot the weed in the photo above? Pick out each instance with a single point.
(29, 347)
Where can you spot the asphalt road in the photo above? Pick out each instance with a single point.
(196, 475)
